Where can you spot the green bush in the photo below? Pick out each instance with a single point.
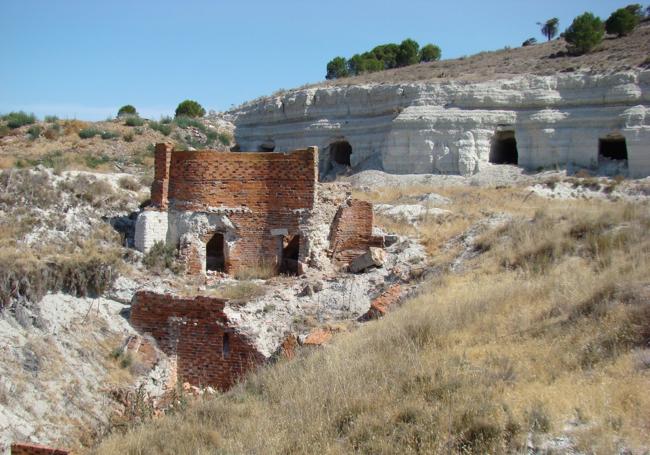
(622, 22)
(126, 110)
(51, 118)
(4, 130)
(17, 119)
(336, 68)
(128, 137)
(529, 42)
(162, 128)
(584, 34)
(166, 120)
(161, 256)
(133, 120)
(190, 108)
(408, 53)
(186, 122)
(34, 132)
(93, 161)
(88, 133)
(109, 135)
(384, 56)
(430, 53)
(224, 138)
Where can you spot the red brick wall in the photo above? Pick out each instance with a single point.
(193, 329)
(31, 449)
(258, 191)
(351, 231)
(160, 185)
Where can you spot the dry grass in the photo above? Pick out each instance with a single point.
(239, 292)
(546, 328)
(260, 271)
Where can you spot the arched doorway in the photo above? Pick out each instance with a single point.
(504, 148)
(215, 258)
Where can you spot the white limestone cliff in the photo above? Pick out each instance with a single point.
(450, 127)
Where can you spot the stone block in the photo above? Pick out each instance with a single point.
(374, 257)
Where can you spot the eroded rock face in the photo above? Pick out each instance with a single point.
(451, 127)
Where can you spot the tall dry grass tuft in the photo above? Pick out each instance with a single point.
(544, 330)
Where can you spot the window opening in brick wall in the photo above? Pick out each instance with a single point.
(215, 258)
(504, 148)
(226, 345)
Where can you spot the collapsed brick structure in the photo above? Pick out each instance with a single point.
(226, 212)
(196, 333)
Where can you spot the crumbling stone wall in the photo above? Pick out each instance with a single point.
(351, 231)
(195, 330)
(263, 196)
(33, 449)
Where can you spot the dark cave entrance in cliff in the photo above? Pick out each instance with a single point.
(504, 148)
(612, 148)
(340, 152)
(215, 258)
(290, 255)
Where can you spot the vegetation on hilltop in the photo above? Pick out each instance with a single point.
(385, 56)
(190, 108)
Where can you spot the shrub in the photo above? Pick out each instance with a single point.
(17, 119)
(584, 34)
(190, 108)
(166, 120)
(162, 256)
(126, 110)
(88, 133)
(51, 118)
(408, 52)
(128, 137)
(186, 122)
(109, 135)
(34, 132)
(93, 161)
(529, 42)
(224, 138)
(129, 183)
(52, 132)
(4, 130)
(549, 28)
(134, 120)
(336, 68)
(621, 22)
(430, 53)
(163, 128)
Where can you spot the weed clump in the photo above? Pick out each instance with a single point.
(17, 119)
(162, 256)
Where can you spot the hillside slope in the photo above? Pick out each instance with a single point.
(532, 334)
(547, 58)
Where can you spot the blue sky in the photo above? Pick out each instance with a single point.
(84, 59)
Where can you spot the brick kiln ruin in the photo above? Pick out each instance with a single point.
(227, 212)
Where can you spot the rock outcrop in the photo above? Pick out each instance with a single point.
(458, 127)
